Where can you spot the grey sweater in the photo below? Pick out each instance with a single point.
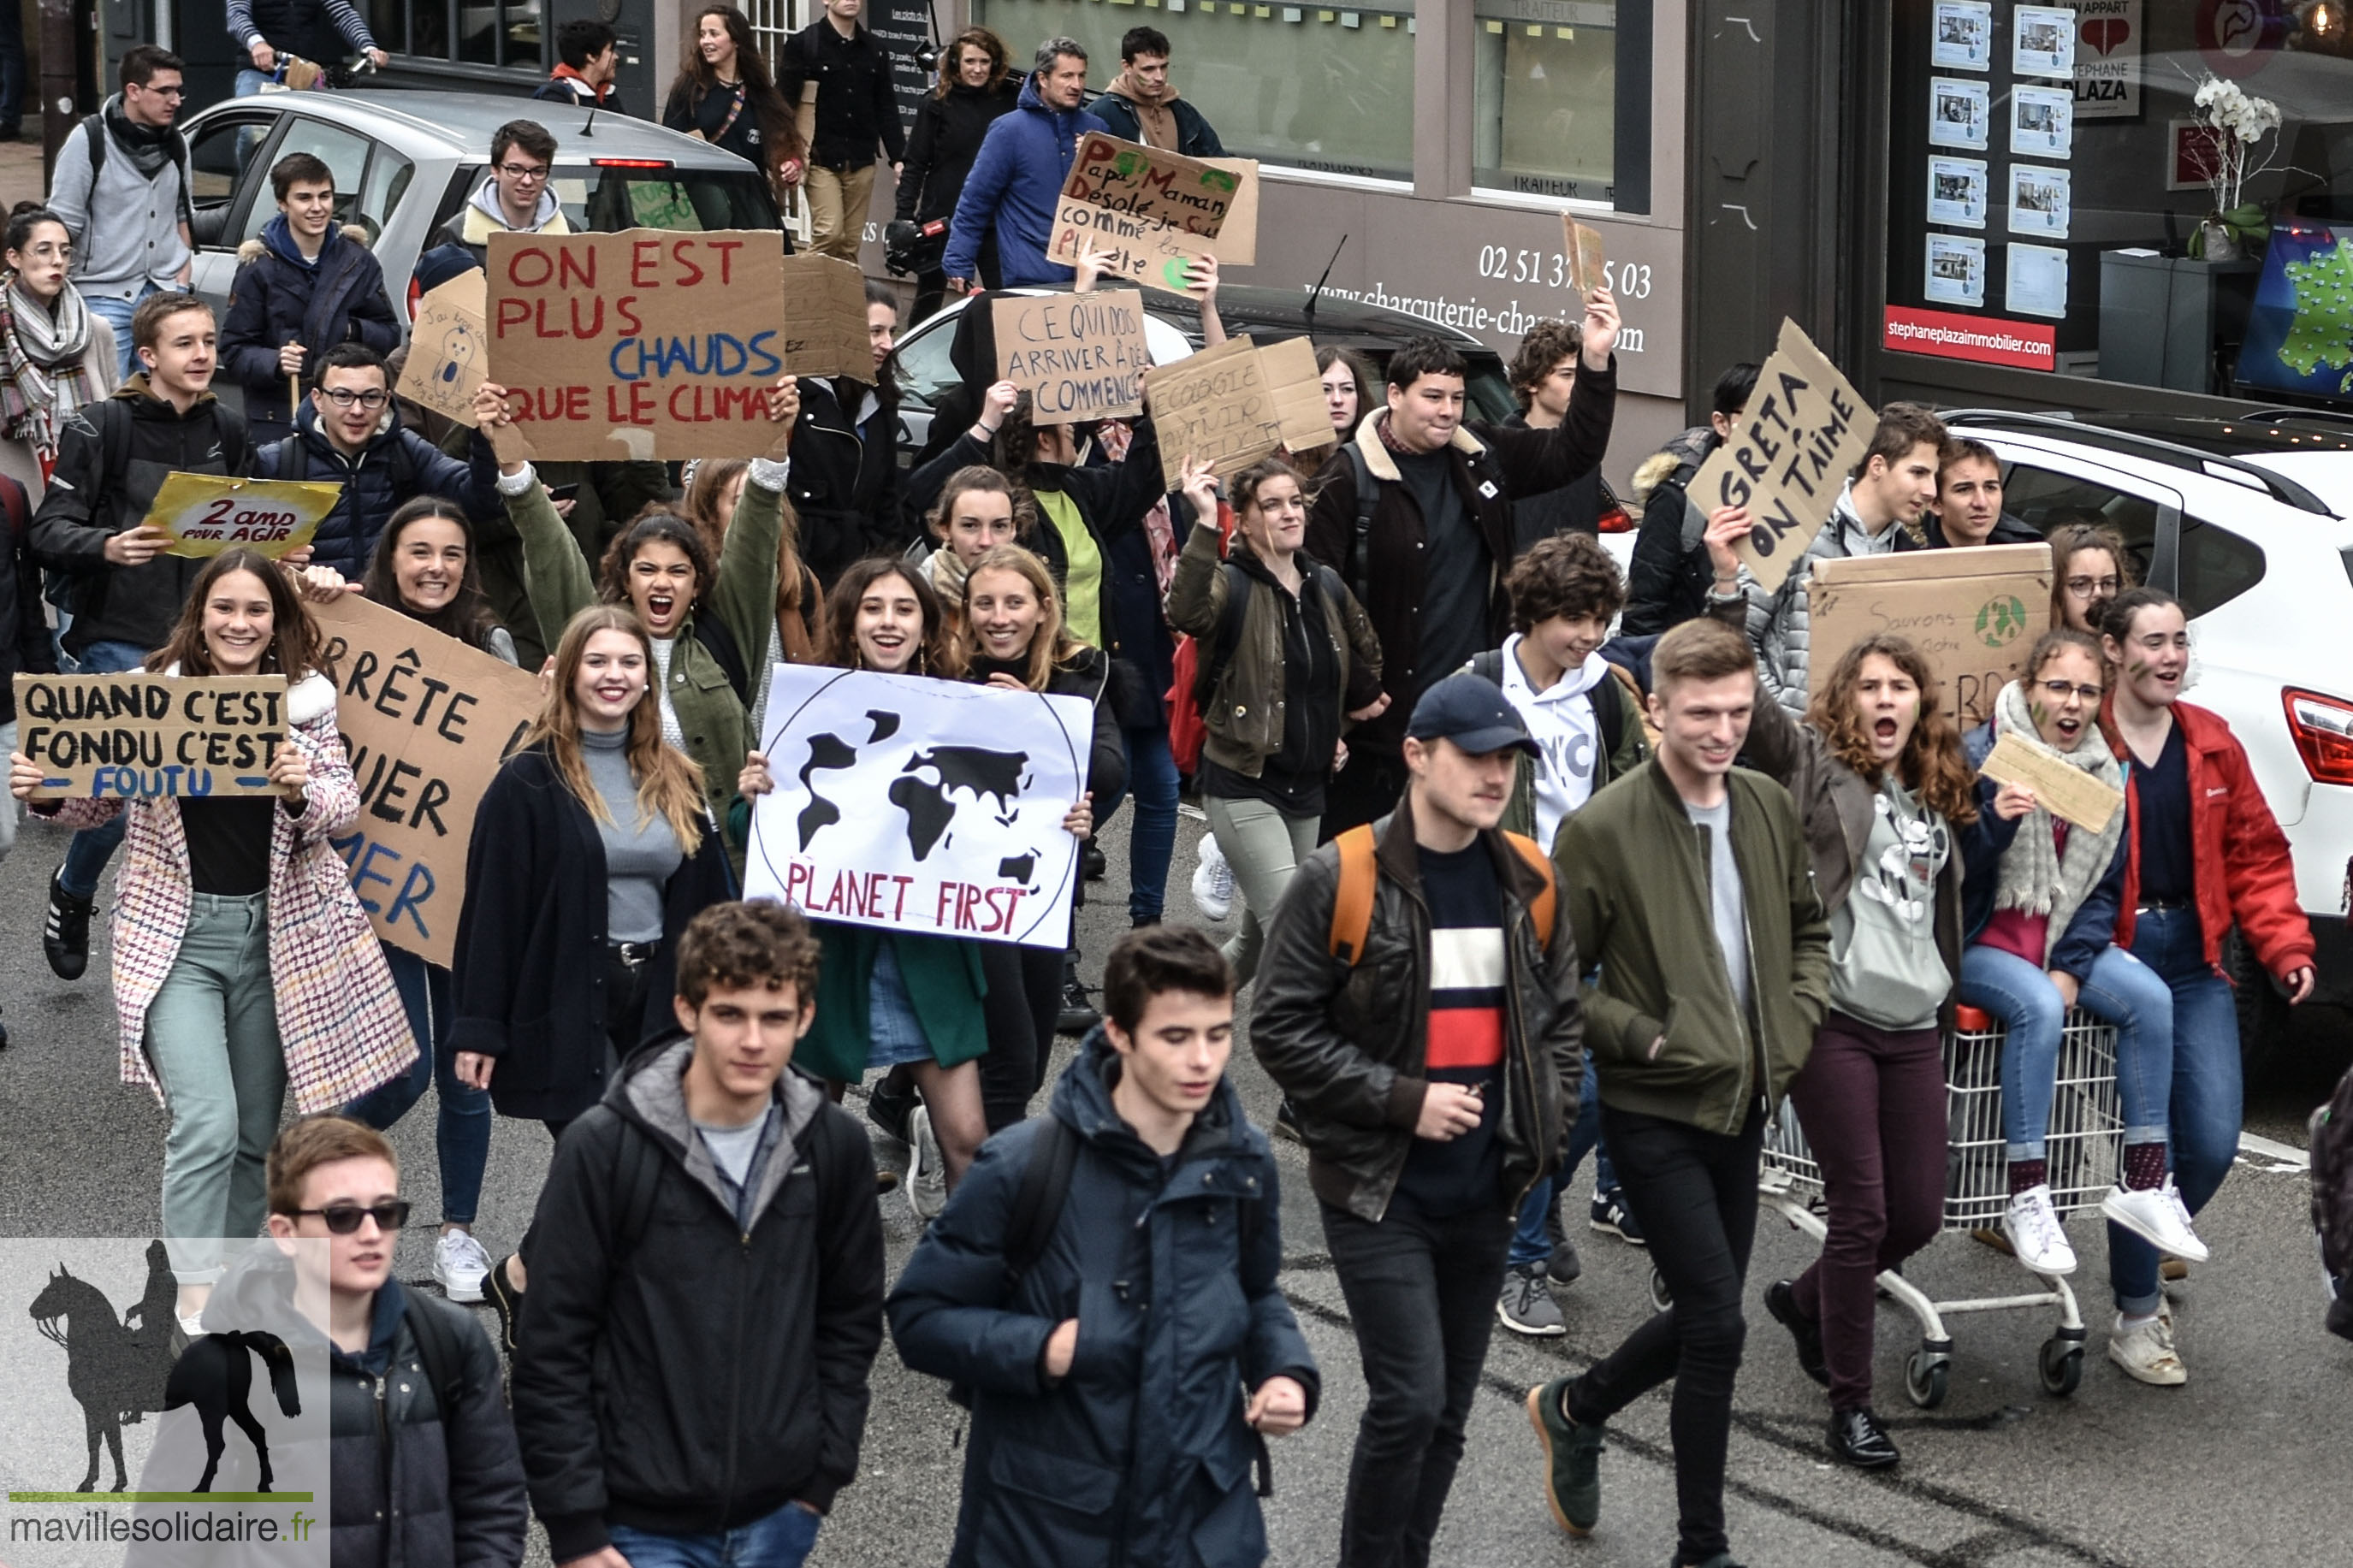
(640, 852)
(125, 226)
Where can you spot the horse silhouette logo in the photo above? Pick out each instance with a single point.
(118, 1367)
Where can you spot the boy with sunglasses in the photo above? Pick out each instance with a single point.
(424, 1466)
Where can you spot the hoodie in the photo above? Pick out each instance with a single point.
(471, 226)
(1012, 189)
(1164, 120)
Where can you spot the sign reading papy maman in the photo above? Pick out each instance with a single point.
(919, 805)
(137, 736)
(1165, 187)
(208, 513)
(642, 344)
(1078, 357)
(1148, 220)
(1974, 613)
(427, 719)
(1802, 433)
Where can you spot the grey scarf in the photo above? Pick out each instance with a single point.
(2035, 877)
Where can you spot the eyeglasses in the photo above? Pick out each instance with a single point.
(2084, 587)
(344, 397)
(2063, 689)
(343, 1219)
(528, 173)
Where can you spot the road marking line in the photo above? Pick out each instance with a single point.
(2282, 1154)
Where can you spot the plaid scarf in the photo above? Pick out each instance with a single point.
(43, 366)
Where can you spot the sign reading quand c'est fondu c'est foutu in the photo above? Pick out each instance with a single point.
(137, 736)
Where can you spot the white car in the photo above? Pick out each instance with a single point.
(2245, 521)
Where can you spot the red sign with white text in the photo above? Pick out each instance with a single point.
(1987, 340)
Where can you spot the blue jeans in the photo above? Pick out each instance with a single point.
(782, 1539)
(116, 312)
(1530, 1242)
(2122, 990)
(2205, 1111)
(1152, 839)
(461, 1137)
(92, 847)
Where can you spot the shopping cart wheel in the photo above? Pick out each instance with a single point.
(1925, 1376)
(1660, 1297)
(2061, 1364)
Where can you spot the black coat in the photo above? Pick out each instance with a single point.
(25, 646)
(1140, 1456)
(1670, 578)
(276, 300)
(712, 1367)
(844, 479)
(575, 93)
(1089, 677)
(112, 457)
(530, 960)
(1575, 507)
(856, 104)
(396, 465)
(947, 137)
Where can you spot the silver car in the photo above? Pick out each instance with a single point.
(403, 162)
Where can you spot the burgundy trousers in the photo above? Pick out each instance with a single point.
(1871, 1102)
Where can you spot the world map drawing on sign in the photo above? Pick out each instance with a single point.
(920, 804)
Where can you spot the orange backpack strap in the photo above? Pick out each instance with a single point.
(1547, 903)
(1352, 908)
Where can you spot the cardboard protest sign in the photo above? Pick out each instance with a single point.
(1975, 615)
(825, 319)
(1588, 263)
(641, 344)
(920, 804)
(2069, 794)
(1802, 433)
(446, 354)
(207, 513)
(1078, 357)
(1158, 187)
(137, 736)
(1140, 247)
(427, 721)
(1226, 407)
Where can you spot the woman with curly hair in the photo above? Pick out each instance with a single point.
(1880, 783)
(726, 96)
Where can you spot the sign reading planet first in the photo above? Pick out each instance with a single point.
(642, 344)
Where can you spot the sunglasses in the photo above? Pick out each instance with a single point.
(343, 1219)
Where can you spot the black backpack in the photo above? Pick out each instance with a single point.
(439, 1347)
(2331, 1143)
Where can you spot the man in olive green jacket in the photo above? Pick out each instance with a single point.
(1689, 884)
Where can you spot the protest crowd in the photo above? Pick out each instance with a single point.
(1514, 856)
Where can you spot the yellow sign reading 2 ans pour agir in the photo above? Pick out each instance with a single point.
(207, 513)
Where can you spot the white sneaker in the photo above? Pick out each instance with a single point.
(927, 1173)
(2158, 1216)
(2147, 1353)
(2032, 1226)
(192, 1325)
(1213, 881)
(460, 1263)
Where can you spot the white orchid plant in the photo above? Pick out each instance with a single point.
(2238, 121)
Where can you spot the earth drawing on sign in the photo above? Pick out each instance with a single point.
(924, 803)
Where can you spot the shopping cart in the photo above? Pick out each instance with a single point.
(2081, 1148)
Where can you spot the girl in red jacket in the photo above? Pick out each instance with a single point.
(2204, 853)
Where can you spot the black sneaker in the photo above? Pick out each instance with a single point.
(65, 940)
(1858, 1439)
(1098, 864)
(3, 1036)
(1782, 1302)
(1079, 1014)
(889, 1104)
(505, 1300)
(1610, 1217)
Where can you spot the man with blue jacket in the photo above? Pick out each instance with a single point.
(1103, 1282)
(1018, 177)
(348, 432)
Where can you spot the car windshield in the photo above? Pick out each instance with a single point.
(607, 199)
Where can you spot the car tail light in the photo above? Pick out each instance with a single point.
(415, 294)
(1615, 518)
(2322, 728)
(631, 164)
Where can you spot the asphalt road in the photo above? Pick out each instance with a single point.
(2246, 1464)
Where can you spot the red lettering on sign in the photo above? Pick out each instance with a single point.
(679, 254)
(625, 311)
(644, 256)
(543, 266)
(513, 313)
(576, 269)
(726, 249)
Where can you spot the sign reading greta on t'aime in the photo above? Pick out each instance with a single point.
(136, 736)
(1802, 433)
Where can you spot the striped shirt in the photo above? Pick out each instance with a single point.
(1465, 1031)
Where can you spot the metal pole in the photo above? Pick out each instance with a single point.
(60, 87)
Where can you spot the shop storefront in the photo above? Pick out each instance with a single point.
(2112, 203)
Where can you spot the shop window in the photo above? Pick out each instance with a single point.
(1546, 104)
(2216, 565)
(2048, 499)
(1310, 87)
(2050, 204)
(509, 33)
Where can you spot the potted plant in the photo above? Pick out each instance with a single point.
(2235, 123)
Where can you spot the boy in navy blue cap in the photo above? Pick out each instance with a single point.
(1435, 1076)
